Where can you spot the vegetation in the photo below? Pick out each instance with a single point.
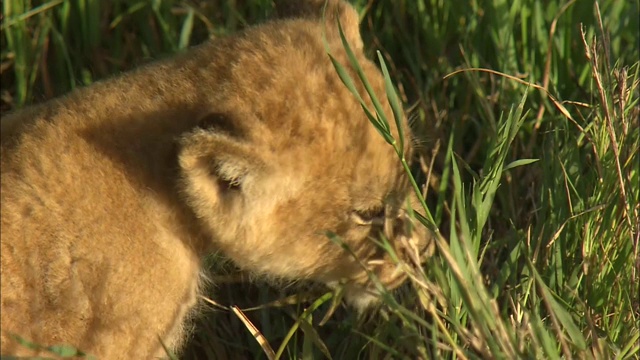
(527, 117)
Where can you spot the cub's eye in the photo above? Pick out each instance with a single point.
(373, 216)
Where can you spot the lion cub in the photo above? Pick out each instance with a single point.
(248, 145)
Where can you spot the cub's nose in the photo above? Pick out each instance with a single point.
(409, 233)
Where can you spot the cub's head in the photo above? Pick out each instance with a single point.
(286, 156)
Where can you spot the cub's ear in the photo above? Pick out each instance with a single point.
(215, 154)
(330, 11)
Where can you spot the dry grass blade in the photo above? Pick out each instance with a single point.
(284, 301)
(219, 306)
(555, 101)
(592, 55)
(262, 341)
(562, 226)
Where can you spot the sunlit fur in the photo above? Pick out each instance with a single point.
(249, 145)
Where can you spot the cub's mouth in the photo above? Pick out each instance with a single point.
(409, 246)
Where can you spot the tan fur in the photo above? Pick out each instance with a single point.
(250, 145)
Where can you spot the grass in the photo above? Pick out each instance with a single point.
(527, 115)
